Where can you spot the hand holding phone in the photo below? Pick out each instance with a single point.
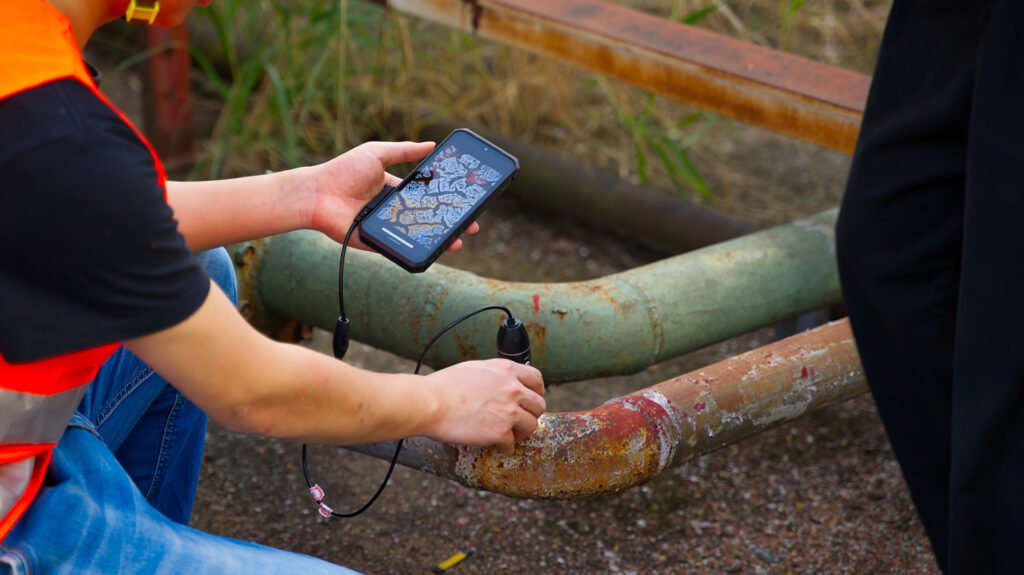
(417, 221)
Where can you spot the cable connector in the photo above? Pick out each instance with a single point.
(372, 204)
(514, 341)
(317, 493)
(339, 342)
(325, 510)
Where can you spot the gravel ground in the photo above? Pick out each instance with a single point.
(821, 495)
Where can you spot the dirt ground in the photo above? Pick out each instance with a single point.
(822, 495)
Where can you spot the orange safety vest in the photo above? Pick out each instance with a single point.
(37, 399)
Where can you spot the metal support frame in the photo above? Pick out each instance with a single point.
(168, 115)
(781, 92)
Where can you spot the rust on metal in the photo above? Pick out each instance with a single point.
(631, 439)
(246, 256)
(168, 113)
(782, 92)
(604, 450)
(617, 324)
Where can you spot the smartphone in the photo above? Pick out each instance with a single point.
(423, 215)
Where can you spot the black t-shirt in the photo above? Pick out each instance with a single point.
(90, 252)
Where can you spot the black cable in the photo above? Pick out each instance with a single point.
(314, 489)
(341, 269)
(445, 329)
(360, 216)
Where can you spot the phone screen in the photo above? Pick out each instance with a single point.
(437, 199)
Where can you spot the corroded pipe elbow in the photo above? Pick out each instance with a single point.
(631, 439)
(618, 445)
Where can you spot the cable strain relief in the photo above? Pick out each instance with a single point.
(317, 493)
(324, 510)
(341, 337)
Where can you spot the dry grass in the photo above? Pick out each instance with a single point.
(328, 86)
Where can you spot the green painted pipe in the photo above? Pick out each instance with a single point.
(617, 324)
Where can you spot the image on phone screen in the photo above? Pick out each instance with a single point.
(437, 201)
(438, 197)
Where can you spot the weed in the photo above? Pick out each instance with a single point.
(296, 81)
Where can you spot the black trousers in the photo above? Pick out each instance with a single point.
(931, 257)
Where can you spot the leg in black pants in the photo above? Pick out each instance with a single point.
(932, 191)
(987, 476)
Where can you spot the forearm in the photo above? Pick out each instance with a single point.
(314, 398)
(221, 212)
(323, 197)
(249, 383)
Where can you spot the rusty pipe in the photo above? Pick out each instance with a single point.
(631, 439)
(781, 92)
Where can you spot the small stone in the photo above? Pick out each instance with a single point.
(765, 555)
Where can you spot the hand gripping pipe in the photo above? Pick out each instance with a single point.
(617, 324)
(631, 439)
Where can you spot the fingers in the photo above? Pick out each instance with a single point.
(533, 403)
(508, 445)
(392, 180)
(524, 425)
(398, 152)
(457, 244)
(529, 376)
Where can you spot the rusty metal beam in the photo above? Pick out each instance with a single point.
(781, 92)
(631, 439)
(168, 115)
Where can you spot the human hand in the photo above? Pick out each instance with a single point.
(490, 402)
(342, 186)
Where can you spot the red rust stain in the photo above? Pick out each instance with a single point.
(700, 406)
(803, 372)
(578, 454)
(464, 344)
(536, 303)
(538, 339)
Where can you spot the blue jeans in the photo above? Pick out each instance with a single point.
(119, 491)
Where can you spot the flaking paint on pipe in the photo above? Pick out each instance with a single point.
(617, 324)
(631, 439)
